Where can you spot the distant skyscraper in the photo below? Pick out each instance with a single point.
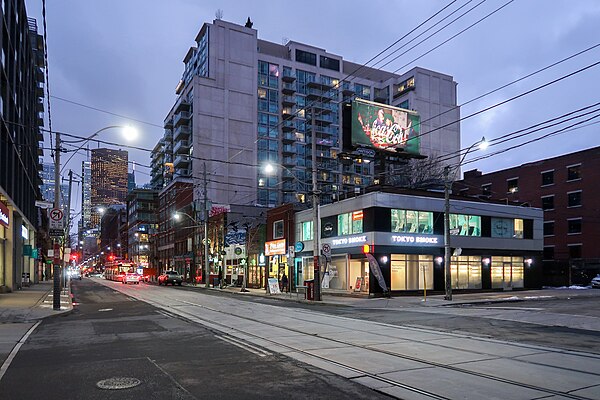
(47, 186)
(86, 194)
(130, 181)
(109, 179)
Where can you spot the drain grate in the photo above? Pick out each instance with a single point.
(118, 383)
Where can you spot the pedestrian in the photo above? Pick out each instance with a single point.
(284, 282)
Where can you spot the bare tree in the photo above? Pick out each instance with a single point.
(427, 173)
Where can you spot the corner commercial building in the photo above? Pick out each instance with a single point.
(21, 116)
(566, 188)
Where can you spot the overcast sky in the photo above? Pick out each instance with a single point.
(125, 57)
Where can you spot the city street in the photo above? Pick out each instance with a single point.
(110, 334)
(193, 343)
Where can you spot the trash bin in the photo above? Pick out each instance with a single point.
(216, 282)
(310, 290)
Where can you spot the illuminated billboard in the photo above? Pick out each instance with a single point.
(384, 127)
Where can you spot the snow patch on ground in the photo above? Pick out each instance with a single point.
(575, 287)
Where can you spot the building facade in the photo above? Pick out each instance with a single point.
(47, 187)
(403, 231)
(21, 116)
(245, 102)
(142, 221)
(108, 180)
(565, 188)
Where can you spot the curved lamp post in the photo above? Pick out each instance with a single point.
(483, 144)
(129, 132)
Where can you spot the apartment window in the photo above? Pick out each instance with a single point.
(574, 172)
(362, 91)
(574, 199)
(486, 190)
(575, 250)
(306, 57)
(405, 104)
(547, 178)
(329, 63)
(512, 185)
(574, 226)
(278, 229)
(548, 228)
(548, 253)
(548, 202)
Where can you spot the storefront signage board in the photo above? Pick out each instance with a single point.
(274, 286)
(275, 247)
(349, 241)
(4, 219)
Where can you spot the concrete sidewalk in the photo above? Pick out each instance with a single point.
(20, 310)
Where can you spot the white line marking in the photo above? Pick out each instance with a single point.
(15, 349)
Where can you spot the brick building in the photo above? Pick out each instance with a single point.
(565, 187)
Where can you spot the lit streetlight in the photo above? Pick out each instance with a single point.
(482, 144)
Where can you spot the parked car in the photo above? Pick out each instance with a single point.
(131, 277)
(172, 277)
(596, 282)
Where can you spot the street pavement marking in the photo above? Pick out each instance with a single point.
(15, 350)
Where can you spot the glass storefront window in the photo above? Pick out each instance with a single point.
(507, 272)
(338, 273)
(466, 272)
(304, 231)
(411, 272)
(409, 221)
(465, 225)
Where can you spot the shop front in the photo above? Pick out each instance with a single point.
(277, 258)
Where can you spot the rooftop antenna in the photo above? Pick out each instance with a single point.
(249, 23)
(219, 14)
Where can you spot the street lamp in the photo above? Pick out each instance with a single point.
(483, 144)
(177, 216)
(268, 169)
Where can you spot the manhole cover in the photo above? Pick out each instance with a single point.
(118, 383)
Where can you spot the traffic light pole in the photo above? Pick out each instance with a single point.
(315, 206)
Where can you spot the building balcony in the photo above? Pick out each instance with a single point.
(288, 113)
(288, 88)
(289, 186)
(182, 147)
(288, 101)
(168, 124)
(288, 76)
(288, 126)
(39, 89)
(182, 161)
(183, 173)
(287, 175)
(324, 119)
(288, 137)
(320, 84)
(289, 161)
(183, 117)
(321, 95)
(182, 132)
(288, 149)
(183, 105)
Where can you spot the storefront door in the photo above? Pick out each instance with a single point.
(507, 276)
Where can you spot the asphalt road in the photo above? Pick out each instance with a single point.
(110, 335)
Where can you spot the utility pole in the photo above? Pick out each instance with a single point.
(447, 255)
(315, 206)
(205, 214)
(193, 267)
(56, 263)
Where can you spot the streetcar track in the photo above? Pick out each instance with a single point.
(213, 325)
(374, 376)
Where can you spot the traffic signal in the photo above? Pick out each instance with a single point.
(111, 257)
(366, 249)
(74, 256)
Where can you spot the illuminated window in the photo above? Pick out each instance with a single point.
(465, 225)
(512, 185)
(518, 228)
(350, 223)
(409, 221)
